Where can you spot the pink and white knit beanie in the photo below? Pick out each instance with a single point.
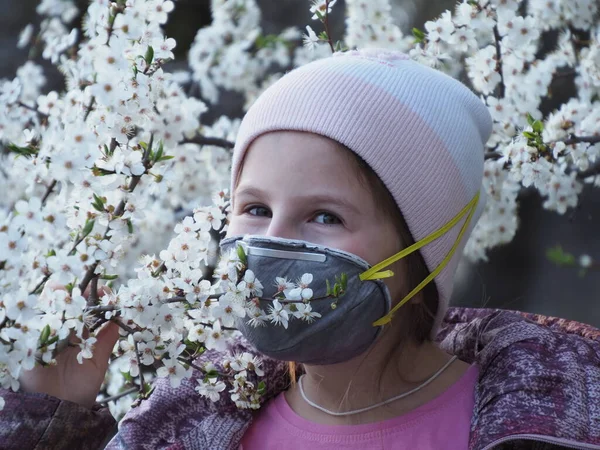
(421, 131)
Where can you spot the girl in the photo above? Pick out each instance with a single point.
(373, 165)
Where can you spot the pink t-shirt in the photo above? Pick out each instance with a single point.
(444, 422)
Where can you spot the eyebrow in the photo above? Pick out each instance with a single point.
(317, 198)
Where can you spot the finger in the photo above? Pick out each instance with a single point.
(100, 292)
(107, 337)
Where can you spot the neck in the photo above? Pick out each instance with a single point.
(372, 378)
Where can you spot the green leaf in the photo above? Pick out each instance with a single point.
(336, 289)
(100, 172)
(52, 340)
(538, 126)
(328, 287)
(262, 388)
(529, 134)
(149, 56)
(242, 255)
(129, 226)
(108, 151)
(320, 15)
(98, 203)
(268, 40)
(159, 152)
(559, 257)
(108, 277)
(45, 335)
(166, 157)
(144, 145)
(148, 389)
(418, 34)
(23, 151)
(127, 376)
(211, 374)
(530, 119)
(89, 226)
(344, 280)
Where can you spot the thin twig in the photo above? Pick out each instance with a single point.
(89, 108)
(123, 326)
(209, 325)
(120, 209)
(39, 285)
(501, 87)
(284, 300)
(493, 155)
(93, 297)
(326, 24)
(89, 274)
(581, 139)
(101, 321)
(118, 396)
(31, 108)
(179, 299)
(574, 44)
(102, 308)
(590, 172)
(49, 190)
(198, 368)
(203, 140)
(139, 363)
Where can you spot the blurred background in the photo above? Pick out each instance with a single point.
(517, 276)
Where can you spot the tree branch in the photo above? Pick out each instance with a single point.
(102, 308)
(501, 87)
(49, 190)
(492, 155)
(120, 209)
(208, 325)
(31, 108)
(326, 24)
(93, 297)
(198, 368)
(124, 327)
(139, 363)
(39, 285)
(118, 396)
(590, 172)
(581, 139)
(203, 140)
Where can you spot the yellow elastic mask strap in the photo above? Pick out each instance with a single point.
(374, 272)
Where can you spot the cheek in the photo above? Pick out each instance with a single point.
(397, 284)
(238, 225)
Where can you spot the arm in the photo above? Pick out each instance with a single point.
(40, 421)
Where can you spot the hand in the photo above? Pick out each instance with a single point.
(69, 380)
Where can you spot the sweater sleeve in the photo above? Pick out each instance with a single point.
(39, 421)
(172, 417)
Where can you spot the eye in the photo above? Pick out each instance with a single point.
(326, 218)
(258, 211)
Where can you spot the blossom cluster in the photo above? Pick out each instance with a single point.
(498, 43)
(243, 295)
(97, 178)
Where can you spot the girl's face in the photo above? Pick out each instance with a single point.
(303, 186)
